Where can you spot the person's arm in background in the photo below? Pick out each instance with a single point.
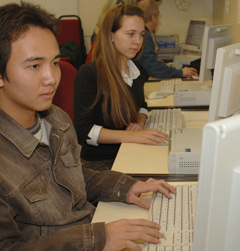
(157, 69)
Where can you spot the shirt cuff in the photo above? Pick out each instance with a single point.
(93, 135)
(144, 111)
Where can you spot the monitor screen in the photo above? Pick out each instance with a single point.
(225, 95)
(214, 37)
(218, 205)
(194, 36)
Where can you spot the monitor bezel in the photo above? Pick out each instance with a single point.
(217, 216)
(213, 32)
(226, 56)
(190, 47)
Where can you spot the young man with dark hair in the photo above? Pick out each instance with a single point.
(47, 199)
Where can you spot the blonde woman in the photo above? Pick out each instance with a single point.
(109, 105)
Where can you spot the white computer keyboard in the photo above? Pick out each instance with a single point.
(176, 217)
(165, 119)
(168, 86)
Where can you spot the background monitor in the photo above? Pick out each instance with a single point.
(225, 95)
(214, 37)
(195, 36)
(218, 205)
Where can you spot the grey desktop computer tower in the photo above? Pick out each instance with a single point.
(185, 151)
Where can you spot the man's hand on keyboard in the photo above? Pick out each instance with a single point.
(148, 186)
(189, 71)
(121, 234)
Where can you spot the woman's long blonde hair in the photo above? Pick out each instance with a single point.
(119, 107)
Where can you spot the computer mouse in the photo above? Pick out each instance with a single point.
(196, 77)
(156, 95)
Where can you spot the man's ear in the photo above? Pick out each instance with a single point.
(153, 18)
(1, 81)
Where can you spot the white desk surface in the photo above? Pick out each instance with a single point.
(152, 87)
(141, 159)
(112, 211)
(135, 158)
(194, 119)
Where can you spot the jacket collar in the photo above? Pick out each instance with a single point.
(23, 140)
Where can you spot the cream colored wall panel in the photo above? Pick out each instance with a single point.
(58, 7)
(89, 11)
(175, 21)
(172, 19)
(221, 17)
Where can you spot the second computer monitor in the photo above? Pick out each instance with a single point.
(214, 37)
(225, 95)
(194, 36)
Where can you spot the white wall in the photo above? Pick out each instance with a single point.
(221, 17)
(172, 20)
(89, 11)
(175, 21)
(58, 7)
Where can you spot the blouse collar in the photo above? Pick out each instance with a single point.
(134, 73)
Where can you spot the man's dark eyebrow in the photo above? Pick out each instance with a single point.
(30, 59)
(33, 59)
(58, 56)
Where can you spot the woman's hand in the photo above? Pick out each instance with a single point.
(149, 136)
(140, 123)
(135, 127)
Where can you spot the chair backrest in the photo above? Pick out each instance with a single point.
(71, 29)
(89, 56)
(64, 94)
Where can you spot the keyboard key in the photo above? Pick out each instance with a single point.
(185, 225)
(186, 248)
(152, 247)
(177, 248)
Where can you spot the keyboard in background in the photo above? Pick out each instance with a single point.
(176, 217)
(165, 119)
(168, 86)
